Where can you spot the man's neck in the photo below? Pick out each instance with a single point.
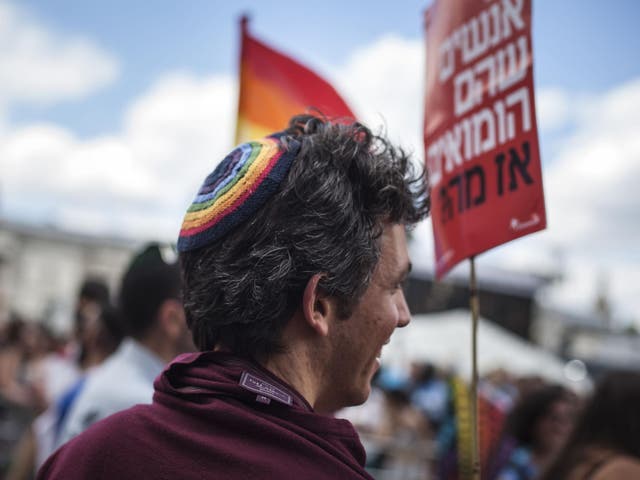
(296, 369)
(158, 346)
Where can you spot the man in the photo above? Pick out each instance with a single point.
(293, 256)
(153, 317)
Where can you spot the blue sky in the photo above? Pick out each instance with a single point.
(122, 107)
(584, 45)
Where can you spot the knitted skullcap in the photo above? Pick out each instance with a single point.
(242, 183)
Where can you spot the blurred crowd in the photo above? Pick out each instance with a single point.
(52, 388)
(37, 368)
(415, 425)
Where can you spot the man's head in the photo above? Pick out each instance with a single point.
(350, 348)
(149, 301)
(92, 297)
(321, 210)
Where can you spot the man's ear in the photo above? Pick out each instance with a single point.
(172, 318)
(317, 308)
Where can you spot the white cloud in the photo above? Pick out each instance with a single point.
(592, 203)
(552, 108)
(136, 183)
(593, 195)
(591, 187)
(183, 124)
(139, 181)
(384, 84)
(40, 66)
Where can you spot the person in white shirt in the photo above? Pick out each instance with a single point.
(154, 319)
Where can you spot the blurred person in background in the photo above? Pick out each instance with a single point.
(535, 431)
(20, 354)
(154, 321)
(22, 391)
(36, 368)
(293, 257)
(605, 444)
(397, 435)
(61, 368)
(107, 332)
(92, 298)
(429, 393)
(101, 339)
(404, 436)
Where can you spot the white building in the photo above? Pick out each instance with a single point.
(42, 269)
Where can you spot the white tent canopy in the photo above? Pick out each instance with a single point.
(444, 339)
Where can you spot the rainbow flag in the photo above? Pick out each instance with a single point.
(274, 87)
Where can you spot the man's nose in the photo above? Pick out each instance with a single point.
(404, 315)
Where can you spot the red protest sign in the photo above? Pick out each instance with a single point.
(480, 133)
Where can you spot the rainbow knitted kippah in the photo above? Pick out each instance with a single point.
(242, 183)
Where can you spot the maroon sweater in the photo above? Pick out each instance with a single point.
(214, 416)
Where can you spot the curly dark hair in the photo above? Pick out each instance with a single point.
(610, 420)
(519, 428)
(327, 217)
(531, 408)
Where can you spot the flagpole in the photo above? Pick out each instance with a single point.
(475, 307)
(244, 31)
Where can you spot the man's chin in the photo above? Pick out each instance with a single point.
(360, 396)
